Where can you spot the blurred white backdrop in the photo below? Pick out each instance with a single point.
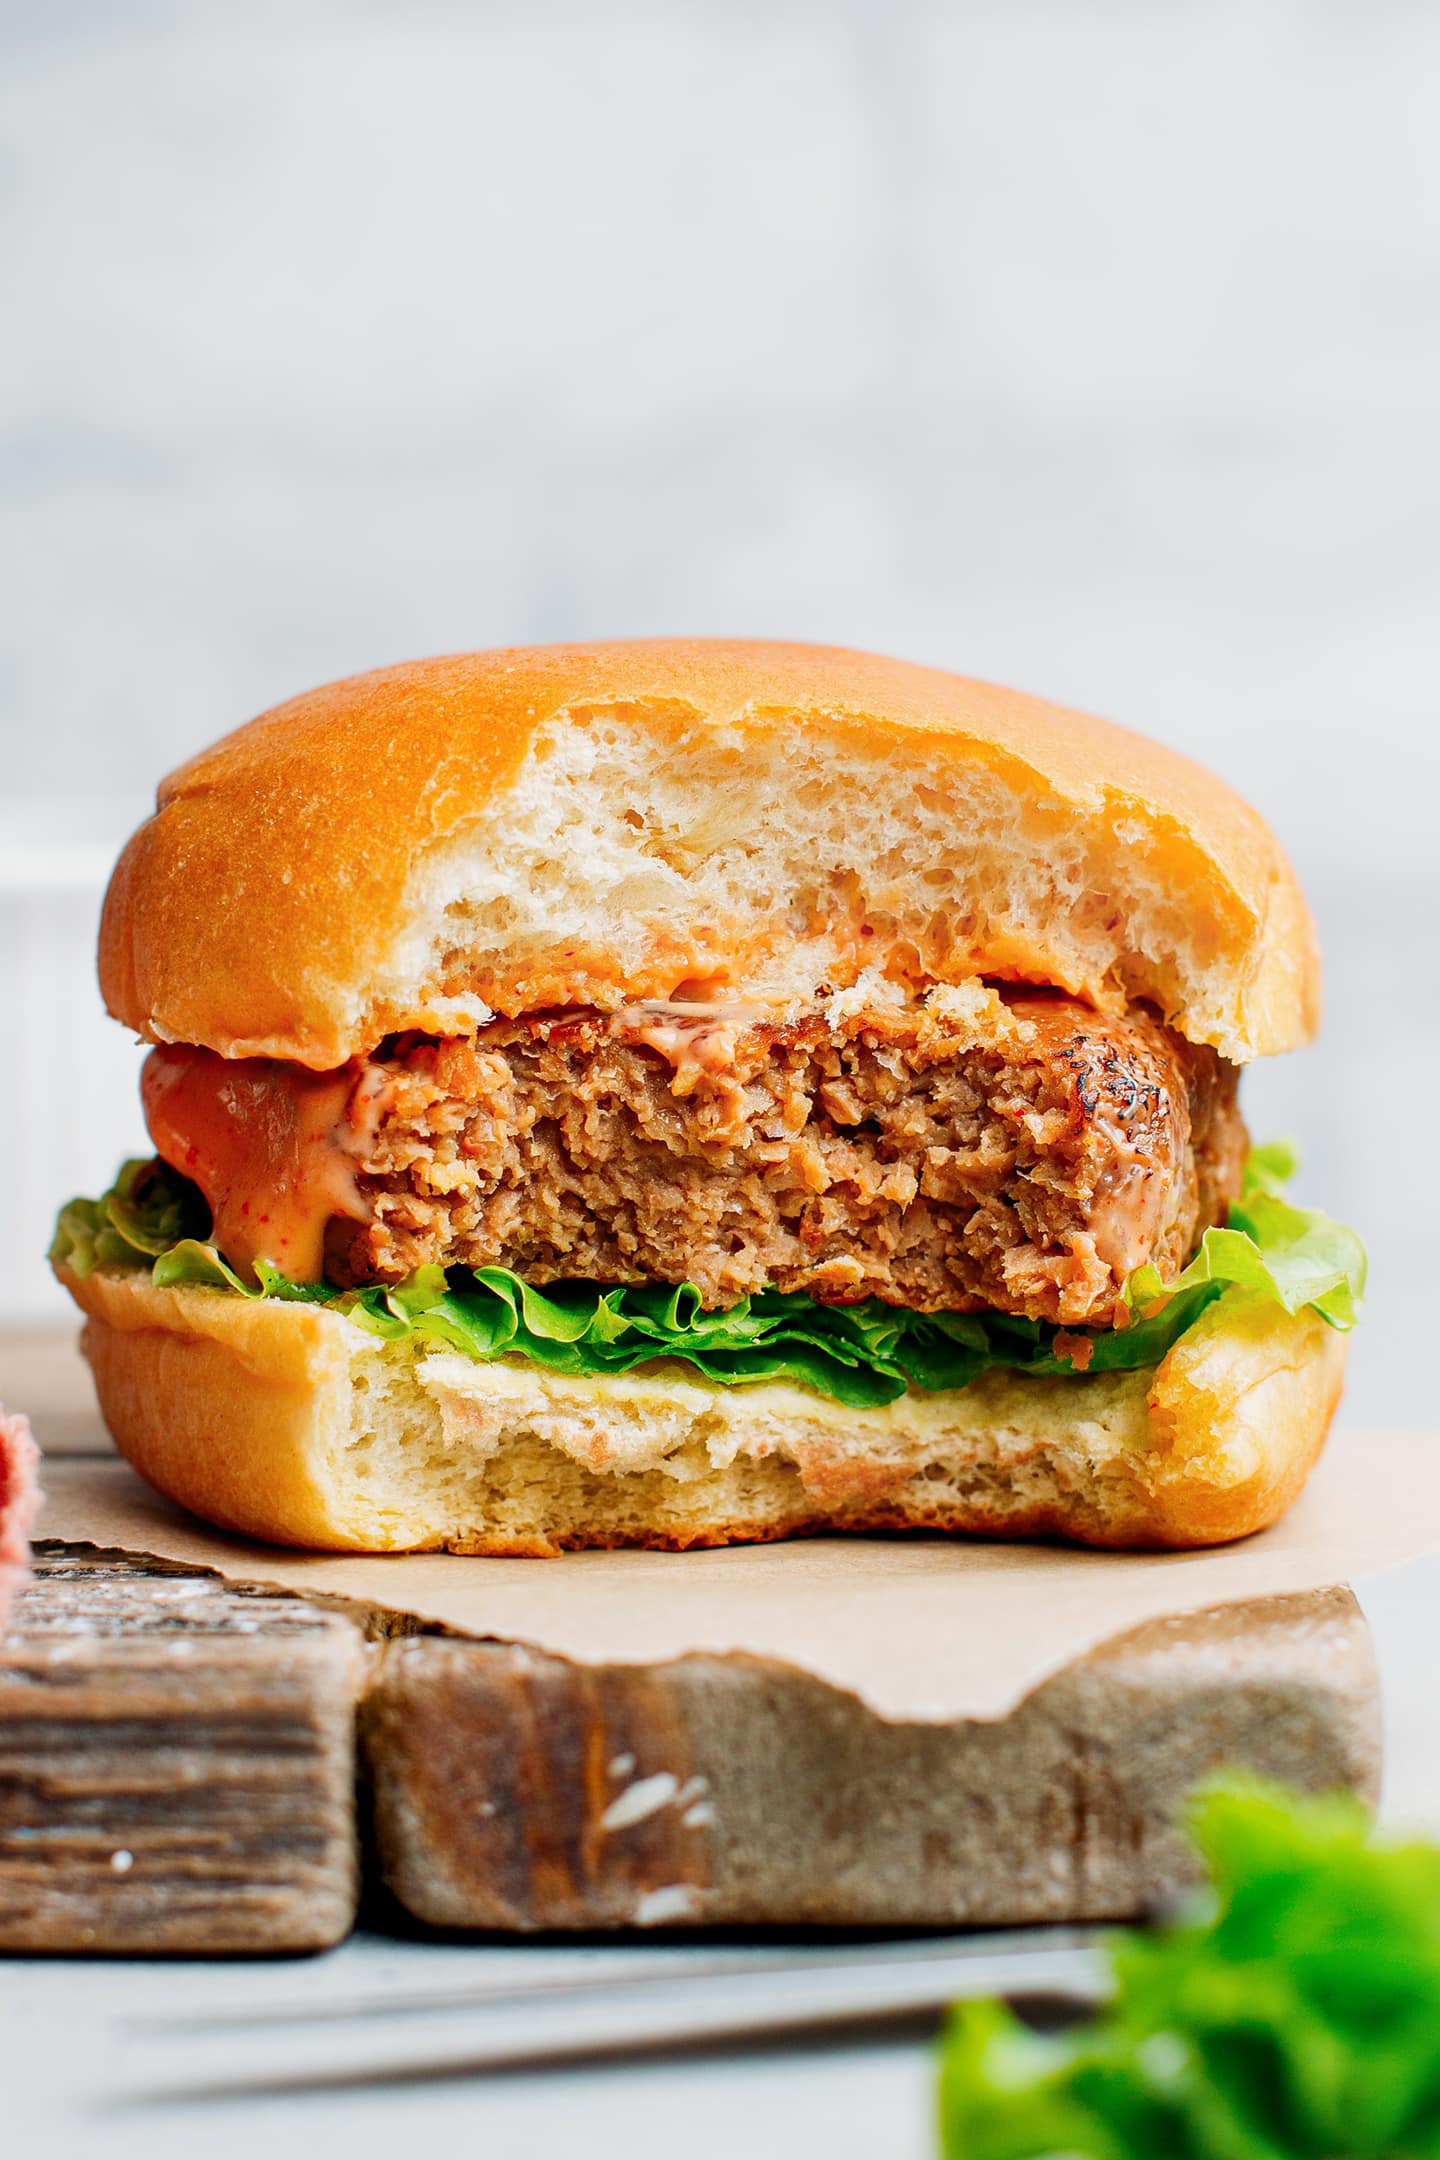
(1090, 346)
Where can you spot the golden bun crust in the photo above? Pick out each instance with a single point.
(569, 824)
(287, 1422)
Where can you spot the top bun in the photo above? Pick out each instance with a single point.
(500, 831)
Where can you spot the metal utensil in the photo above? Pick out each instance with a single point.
(722, 1997)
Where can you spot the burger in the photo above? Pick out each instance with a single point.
(673, 1093)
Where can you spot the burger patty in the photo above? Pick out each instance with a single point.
(1020, 1155)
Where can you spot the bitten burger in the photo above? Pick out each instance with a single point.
(681, 1092)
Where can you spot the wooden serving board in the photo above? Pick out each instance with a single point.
(177, 1763)
(189, 1765)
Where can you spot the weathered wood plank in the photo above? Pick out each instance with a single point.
(513, 1790)
(176, 1764)
(177, 1773)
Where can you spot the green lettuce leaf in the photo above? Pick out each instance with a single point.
(147, 1212)
(863, 1355)
(1297, 2015)
(1292, 1256)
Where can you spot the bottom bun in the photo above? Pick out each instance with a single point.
(290, 1423)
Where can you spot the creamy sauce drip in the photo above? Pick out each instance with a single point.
(276, 1149)
(1127, 1215)
(697, 1041)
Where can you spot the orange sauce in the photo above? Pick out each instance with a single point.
(274, 1147)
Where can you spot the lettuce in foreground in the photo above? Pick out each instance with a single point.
(862, 1355)
(1299, 2017)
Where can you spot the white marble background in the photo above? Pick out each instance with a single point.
(1092, 347)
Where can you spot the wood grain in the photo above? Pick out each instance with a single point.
(513, 1790)
(176, 1764)
(177, 1772)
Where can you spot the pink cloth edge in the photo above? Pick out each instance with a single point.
(20, 1500)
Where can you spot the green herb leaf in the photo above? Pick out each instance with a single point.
(1298, 2016)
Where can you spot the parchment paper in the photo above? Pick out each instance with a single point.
(920, 1628)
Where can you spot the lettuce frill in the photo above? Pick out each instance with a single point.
(1297, 2018)
(863, 1355)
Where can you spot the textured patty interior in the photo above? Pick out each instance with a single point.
(1024, 1162)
